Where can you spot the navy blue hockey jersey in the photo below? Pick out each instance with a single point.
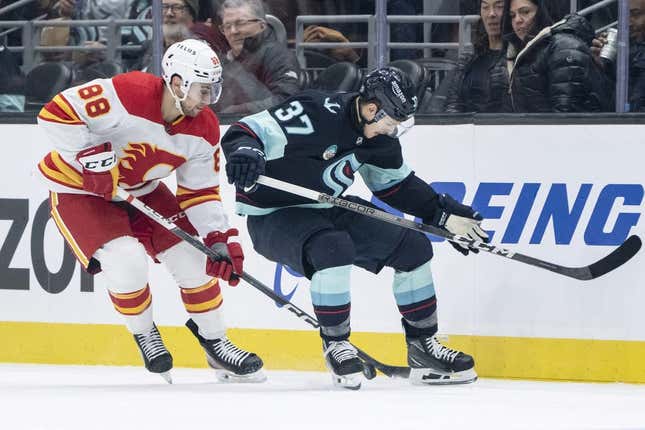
(313, 140)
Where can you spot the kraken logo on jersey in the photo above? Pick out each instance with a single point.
(340, 175)
(330, 152)
(359, 141)
(141, 162)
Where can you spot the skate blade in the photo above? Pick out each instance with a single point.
(230, 377)
(437, 377)
(351, 381)
(166, 376)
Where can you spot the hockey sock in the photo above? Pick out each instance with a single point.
(136, 307)
(415, 298)
(330, 295)
(203, 305)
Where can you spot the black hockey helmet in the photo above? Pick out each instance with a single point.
(392, 90)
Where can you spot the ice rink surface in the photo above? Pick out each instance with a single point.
(117, 398)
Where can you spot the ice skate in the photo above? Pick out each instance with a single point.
(435, 364)
(231, 363)
(342, 360)
(155, 356)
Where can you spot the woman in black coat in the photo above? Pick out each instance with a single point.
(550, 65)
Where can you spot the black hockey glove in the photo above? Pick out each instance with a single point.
(459, 219)
(244, 165)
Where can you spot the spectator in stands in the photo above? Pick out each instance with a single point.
(12, 97)
(480, 81)
(552, 69)
(637, 55)
(90, 37)
(90, 64)
(36, 10)
(178, 18)
(259, 71)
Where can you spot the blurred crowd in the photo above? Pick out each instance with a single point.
(525, 56)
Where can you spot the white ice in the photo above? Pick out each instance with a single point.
(92, 398)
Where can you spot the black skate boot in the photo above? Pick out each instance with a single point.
(231, 363)
(342, 360)
(156, 357)
(435, 364)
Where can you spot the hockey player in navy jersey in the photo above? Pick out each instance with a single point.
(319, 140)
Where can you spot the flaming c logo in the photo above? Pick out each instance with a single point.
(142, 162)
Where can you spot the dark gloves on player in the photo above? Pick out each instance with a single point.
(229, 267)
(100, 170)
(459, 219)
(244, 165)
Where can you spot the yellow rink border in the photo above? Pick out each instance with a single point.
(496, 357)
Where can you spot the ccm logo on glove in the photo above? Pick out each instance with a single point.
(100, 170)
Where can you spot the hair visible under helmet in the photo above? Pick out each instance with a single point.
(393, 92)
(195, 63)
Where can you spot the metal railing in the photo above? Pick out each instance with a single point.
(379, 54)
(622, 58)
(31, 46)
(464, 44)
(15, 5)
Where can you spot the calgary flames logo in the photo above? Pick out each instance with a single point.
(143, 162)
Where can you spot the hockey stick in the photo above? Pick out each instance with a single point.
(391, 371)
(615, 259)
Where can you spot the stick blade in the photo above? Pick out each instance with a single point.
(617, 258)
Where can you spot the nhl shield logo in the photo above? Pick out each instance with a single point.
(330, 152)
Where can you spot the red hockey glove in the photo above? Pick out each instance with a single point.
(230, 268)
(100, 170)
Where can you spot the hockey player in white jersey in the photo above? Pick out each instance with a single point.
(130, 131)
(320, 140)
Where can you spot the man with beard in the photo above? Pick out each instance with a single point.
(131, 131)
(178, 18)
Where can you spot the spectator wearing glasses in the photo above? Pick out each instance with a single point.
(259, 71)
(178, 18)
(480, 83)
(551, 66)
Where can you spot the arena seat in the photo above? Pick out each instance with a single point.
(43, 82)
(278, 28)
(343, 76)
(103, 69)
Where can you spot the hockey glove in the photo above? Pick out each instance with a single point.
(229, 267)
(244, 165)
(461, 220)
(100, 170)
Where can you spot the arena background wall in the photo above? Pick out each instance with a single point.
(568, 194)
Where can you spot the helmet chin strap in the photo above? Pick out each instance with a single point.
(177, 99)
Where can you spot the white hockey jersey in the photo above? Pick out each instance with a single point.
(126, 111)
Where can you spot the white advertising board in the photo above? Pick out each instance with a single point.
(568, 194)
